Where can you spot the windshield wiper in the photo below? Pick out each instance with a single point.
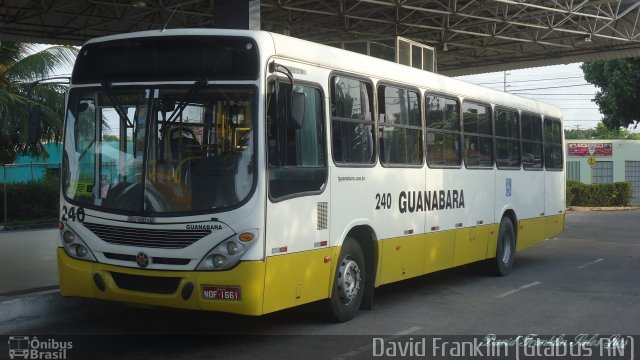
(116, 104)
(197, 86)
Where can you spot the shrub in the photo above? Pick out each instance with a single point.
(31, 202)
(611, 194)
(570, 191)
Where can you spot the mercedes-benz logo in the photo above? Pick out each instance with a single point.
(142, 259)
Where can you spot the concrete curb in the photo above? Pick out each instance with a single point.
(28, 227)
(602, 208)
(38, 309)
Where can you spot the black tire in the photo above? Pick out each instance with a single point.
(502, 264)
(348, 282)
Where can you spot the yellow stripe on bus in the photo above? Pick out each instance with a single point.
(289, 280)
(530, 231)
(409, 256)
(554, 225)
(297, 278)
(76, 279)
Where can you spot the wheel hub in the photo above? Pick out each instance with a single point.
(506, 248)
(348, 280)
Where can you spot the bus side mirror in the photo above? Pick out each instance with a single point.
(33, 127)
(297, 110)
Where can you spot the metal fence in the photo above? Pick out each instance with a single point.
(30, 194)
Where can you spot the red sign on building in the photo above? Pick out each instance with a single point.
(582, 149)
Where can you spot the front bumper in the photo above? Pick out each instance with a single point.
(163, 288)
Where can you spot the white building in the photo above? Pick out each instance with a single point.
(616, 160)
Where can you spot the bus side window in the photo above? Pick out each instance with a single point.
(296, 156)
(400, 126)
(507, 138)
(352, 121)
(553, 144)
(443, 131)
(478, 137)
(531, 141)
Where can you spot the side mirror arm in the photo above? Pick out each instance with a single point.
(296, 104)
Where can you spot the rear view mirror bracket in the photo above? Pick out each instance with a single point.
(296, 108)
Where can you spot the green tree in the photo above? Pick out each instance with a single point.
(20, 66)
(601, 132)
(619, 94)
(110, 138)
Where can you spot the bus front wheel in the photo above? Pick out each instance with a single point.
(348, 282)
(502, 264)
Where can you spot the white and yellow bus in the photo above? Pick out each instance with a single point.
(249, 172)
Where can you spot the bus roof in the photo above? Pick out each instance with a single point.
(352, 62)
(344, 60)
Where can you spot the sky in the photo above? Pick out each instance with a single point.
(560, 85)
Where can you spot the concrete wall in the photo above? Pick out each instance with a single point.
(29, 168)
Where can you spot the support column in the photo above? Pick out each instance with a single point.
(238, 14)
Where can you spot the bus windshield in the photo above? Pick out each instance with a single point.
(150, 150)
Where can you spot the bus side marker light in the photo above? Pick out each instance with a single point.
(435, 228)
(320, 243)
(398, 247)
(327, 259)
(279, 250)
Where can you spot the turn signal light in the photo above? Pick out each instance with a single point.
(246, 237)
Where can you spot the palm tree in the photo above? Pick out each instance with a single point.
(21, 67)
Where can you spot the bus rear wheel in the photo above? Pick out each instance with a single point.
(502, 264)
(348, 283)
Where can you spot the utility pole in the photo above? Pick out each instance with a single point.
(504, 83)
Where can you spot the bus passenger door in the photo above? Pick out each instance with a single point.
(297, 207)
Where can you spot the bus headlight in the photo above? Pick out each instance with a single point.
(75, 247)
(81, 251)
(233, 248)
(219, 261)
(68, 237)
(228, 253)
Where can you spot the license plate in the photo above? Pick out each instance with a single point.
(221, 293)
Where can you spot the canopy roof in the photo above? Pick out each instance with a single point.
(470, 36)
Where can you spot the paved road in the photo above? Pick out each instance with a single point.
(27, 261)
(583, 282)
